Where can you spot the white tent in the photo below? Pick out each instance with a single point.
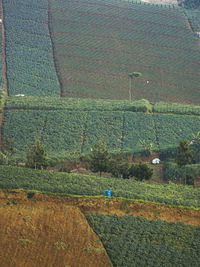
(156, 161)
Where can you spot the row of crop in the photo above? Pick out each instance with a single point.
(64, 131)
(77, 184)
(89, 59)
(113, 7)
(123, 33)
(30, 66)
(136, 241)
(158, 32)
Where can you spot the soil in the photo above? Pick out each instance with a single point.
(48, 230)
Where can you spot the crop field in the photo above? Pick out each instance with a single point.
(47, 235)
(85, 185)
(30, 66)
(66, 131)
(136, 242)
(98, 43)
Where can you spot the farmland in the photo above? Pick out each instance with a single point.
(98, 43)
(66, 127)
(79, 184)
(61, 232)
(136, 241)
(30, 66)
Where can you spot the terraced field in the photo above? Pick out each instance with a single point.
(98, 43)
(65, 131)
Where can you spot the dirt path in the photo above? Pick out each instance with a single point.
(107, 206)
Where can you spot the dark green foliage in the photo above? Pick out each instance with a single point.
(77, 184)
(142, 171)
(189, 179)
(99, 158)
(119, 168)
(137, 242)
(37, 156)
(185, 154)
(30, 194)
(174, 173)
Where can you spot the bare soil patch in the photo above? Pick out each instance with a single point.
(47, 234)
(106, 206)
(164, 2)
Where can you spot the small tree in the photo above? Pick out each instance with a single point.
(184, 155)
(142, 171)
(7, 150)
(99, 158)
(37, 157)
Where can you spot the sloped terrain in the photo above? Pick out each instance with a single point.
(98, 43)
(47, 234)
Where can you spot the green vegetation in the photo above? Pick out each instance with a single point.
(72, 104)
(37, 157)
(66, 131)
(30, 66)
(77, 184)
(176, 108)
(98, 43)
(136, 242)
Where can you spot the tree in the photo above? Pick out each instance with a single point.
(99, 158)
(184, 155)
(119, 168)
(141, 171)
(131, 76)
(37, 157)
(7, 150)
(195, 143)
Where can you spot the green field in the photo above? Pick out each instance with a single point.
(76, 125)
(136, 242)
(98, 43)
(30, 66)
(78, 184)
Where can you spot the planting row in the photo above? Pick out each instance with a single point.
(30, 66)
(77, 184)
(64, 131)
(98, 44)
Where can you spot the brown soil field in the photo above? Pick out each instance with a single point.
(48, 235)
(48, 230)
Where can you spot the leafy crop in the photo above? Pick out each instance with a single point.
(66, 131)
(98, 43)
(78, 184)
(136, 241)
(30, 67)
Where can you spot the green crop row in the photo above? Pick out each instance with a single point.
(136, 242)
(30, 66)
(65, 131)
(50, 103)
(77, 184)
(72, 104)
(97, 44)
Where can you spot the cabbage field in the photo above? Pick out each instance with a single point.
(30, 66)
(65, 131)
(137, 242)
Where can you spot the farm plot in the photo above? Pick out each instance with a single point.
(65, 131)
(48, 234)
(1, 54)
(30, 66)
(136, 241)
(97, 44)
